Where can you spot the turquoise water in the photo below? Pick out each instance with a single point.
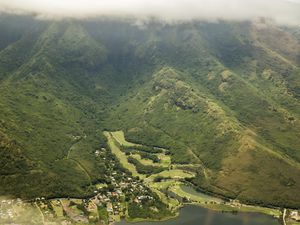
(193, 215)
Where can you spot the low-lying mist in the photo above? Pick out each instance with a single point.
(285, 12)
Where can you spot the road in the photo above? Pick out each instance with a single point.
(283, 217)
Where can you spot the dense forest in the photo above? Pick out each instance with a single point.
(223, 95)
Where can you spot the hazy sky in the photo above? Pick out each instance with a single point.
(282, 11)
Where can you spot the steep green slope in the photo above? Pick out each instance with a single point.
(47, 113)
(224, 96)
(172, 113)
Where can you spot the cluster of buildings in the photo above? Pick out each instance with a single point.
(119, 189)
(114, 196)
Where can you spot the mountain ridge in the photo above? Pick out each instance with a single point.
(224, 95)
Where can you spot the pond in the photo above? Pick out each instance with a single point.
(194, 215)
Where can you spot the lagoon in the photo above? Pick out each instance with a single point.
(194, 215)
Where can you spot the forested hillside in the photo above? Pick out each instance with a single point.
(222, 95)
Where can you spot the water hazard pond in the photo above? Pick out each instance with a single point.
(193, 215)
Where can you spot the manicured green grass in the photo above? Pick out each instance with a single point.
(101, 185)
(120, 138)
(165, 160)
(158, 188)
(293, 223)
(163, 184)
(146, 162)
(174, 174)
(121, 155)
(189, 193)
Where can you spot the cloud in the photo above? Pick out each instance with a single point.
(281, 11)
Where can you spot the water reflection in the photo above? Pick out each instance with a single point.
(193, 215)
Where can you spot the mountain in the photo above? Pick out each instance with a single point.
(224, 96)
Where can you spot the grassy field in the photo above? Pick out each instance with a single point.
(163, 184)
(146, 162)
(258, 209)
(208, 201)
(172, 203)
(120, 138)
(56, 205)
(165, 160)
(174, 174)
(175, 186)
(293, 223)
(101, 186)
(214, 203)
(119, 154)
(188, 192)
(115, 138)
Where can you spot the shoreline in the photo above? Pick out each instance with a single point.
(177, 214)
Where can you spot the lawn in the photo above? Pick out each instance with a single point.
(120, 138)
(165, 161)
(174, 174)
(146, 162)
(119, 154)
(163, 184)
(188, 192)
(100, 185)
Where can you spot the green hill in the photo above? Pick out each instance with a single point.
(222, 95)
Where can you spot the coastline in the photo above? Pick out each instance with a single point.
(137, 220)
(216, 208)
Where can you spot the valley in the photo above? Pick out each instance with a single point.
(106, 120)
(116, 200)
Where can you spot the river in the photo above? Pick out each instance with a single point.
(194, 215)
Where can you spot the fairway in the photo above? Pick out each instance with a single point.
(100, 185)
(188, 192)
(174, 174)
(146, 162)
(163, 184)
(173, 183)
(120, 138)
(165, 161)
(120, 155)
(171, 202)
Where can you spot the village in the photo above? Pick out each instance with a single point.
(108, 205)
(119, 192)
